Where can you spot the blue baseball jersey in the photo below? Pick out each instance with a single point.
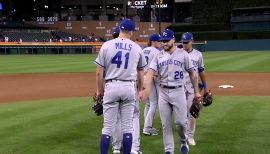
(120, 58)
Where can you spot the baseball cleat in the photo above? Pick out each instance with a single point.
(155, 129)
(191, 142)
(184, 148)
(135, 152)
(167, 153)
(116, 151)
(152, 132)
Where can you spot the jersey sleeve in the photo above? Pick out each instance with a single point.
(142, 62)
(154, 63)
(100, 60)
(200, 64)
(187, 62)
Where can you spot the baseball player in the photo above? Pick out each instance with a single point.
(116, 32)
(197, 60)
(117, 134)
(123, 63)
(170, 64)
(152, 103)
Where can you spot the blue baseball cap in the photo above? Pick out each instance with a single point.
(116, 30)
(128, 25)
(154, 37)
(187, 37)
(167, 35)
(180, 46)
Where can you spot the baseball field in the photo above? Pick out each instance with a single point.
(45, 106)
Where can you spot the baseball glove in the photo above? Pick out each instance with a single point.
(196, 107)
(207, 99)
(98, 105)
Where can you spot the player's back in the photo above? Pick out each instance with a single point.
(121, 59)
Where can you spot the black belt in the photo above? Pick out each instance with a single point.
(170, 87)
(112, 80)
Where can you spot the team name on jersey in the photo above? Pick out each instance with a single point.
(123, 46)
(195, 63)
(147, 52)
(170, 62)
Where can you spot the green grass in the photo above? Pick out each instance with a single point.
(232, 125)
(46, 63)
(258, 61)
(239, 61)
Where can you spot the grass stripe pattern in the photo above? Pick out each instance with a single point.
(231, 125)
(258, 61)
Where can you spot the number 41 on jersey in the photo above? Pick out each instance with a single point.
(117, 59)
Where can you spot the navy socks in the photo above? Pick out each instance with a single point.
(104, 144)
(127, 143)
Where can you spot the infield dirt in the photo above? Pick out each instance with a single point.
(22, 87)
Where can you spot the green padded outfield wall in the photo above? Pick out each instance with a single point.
(219, 11)
(238, 45)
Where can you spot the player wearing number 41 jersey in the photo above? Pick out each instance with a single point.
(123, 63)
(170, 64)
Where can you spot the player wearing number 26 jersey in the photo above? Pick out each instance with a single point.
(170, 64)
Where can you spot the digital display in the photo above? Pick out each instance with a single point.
(49, 19)
(1, 6)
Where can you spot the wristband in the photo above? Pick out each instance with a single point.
(205, 86)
